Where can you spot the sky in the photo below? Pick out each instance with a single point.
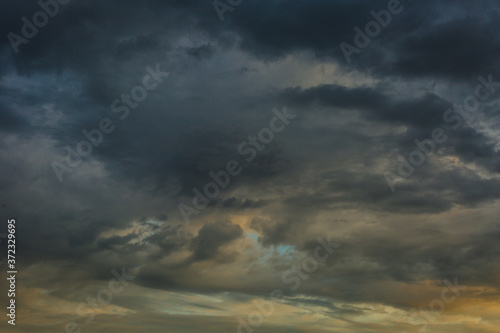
(251, 165)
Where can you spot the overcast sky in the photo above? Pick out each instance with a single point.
(381, 138)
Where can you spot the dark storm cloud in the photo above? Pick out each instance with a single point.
(86, 40)
(169, 239)
(421, 41)
(201, 52)
(240, 204)
(211, 237)
(471, 146)
(457, 49)
(424, 112)
(432, 191)
(225, 80)
(10, 120)
(111, 242)
(273, 232)
(403, 259)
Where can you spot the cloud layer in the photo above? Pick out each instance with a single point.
(323, 174)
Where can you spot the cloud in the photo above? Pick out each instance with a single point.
(213, 236)
(323, 175)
